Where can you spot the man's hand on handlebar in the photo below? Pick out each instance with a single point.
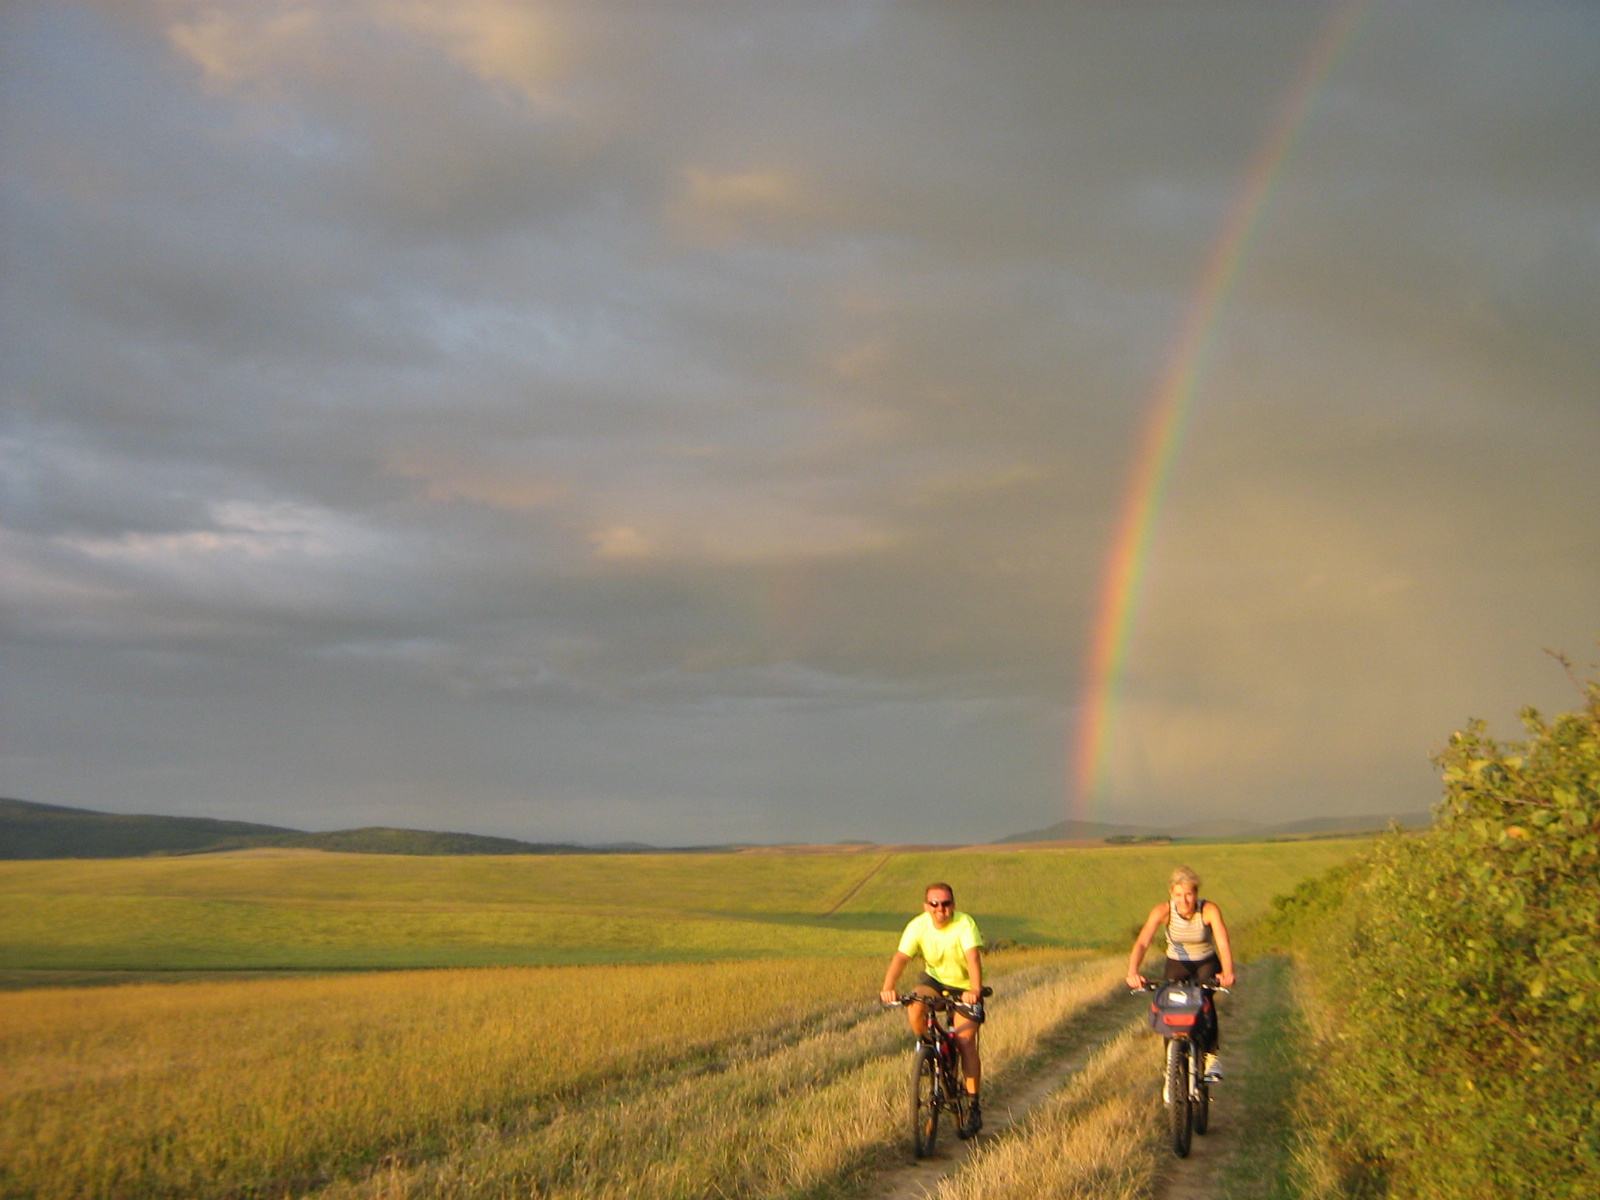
(970, 1004)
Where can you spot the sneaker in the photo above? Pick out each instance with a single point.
(1213, 1069)
(973, 1123)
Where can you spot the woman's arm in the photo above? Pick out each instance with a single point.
(1157, 917)
(1219, 931)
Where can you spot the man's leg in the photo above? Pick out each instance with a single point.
(966, 1031)
(917, 1014)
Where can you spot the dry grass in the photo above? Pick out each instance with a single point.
(1099, 1138)
(716, 1079)
(212, 1089)
(806, 1119)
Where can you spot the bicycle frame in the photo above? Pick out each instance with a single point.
(938, 1047)
(949, 1089)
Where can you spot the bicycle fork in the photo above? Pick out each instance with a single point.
(1190, 1049)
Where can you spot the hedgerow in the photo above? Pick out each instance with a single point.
(1454, 981)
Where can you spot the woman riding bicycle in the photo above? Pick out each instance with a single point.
(1198, 950)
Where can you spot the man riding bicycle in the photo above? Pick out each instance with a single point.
(950, 945)
(1198, 950)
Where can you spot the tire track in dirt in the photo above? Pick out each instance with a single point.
(1008, 1103)
(859, 884)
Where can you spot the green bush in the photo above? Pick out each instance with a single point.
(1454, 979)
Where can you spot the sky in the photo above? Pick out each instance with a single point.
(694, 423)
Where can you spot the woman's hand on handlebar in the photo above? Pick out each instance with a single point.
(1136, 981)
(1225, 978)
(889, 996)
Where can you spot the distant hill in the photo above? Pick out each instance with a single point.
(29, 830)
(1080, 831)
(380, 839)
(1222, 828)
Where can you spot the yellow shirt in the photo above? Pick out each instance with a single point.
(944, 951)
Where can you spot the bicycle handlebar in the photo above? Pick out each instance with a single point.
(1155, 985)
(945, 1003)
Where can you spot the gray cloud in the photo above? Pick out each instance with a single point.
(698, 423)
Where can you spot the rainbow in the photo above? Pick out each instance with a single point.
(1168, 411)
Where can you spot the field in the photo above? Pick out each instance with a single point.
(764, 1068)
(492, 1077)
(270, 910)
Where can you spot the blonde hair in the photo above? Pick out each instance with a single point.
(1186, 876)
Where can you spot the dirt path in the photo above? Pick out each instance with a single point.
(1199, 1177)
(1010, 1102)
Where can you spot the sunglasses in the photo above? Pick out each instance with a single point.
(940, 903)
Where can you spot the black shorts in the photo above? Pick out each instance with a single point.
(944, 989)
(1204, 970)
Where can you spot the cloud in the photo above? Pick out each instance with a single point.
(497, 485)
(244, 45)
(718, 208)
(517, 46)
(502, 42)
(577, 404)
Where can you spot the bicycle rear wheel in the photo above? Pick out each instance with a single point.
(1201, 1117)
(924, 1100)
(1178, 1113)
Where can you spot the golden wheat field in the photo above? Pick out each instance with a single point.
(731, 1078)
(772, 1074)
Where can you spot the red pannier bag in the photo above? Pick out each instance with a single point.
(1176, 1009)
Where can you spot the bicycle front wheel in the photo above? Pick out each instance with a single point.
(1178, 1113)
(924, 1100)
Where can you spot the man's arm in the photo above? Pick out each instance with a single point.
(891, 977)
(974, 973)
(1219, 931)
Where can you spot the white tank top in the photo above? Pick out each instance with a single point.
(1189, 940)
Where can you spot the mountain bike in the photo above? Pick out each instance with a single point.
(1176, 1014)
(937, 1082)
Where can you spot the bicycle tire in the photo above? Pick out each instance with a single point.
(1178, 1113)
(924, 1100)
(1201, 1117)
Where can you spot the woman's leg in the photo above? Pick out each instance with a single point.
(1207, 971)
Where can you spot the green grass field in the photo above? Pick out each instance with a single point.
(267, 910)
